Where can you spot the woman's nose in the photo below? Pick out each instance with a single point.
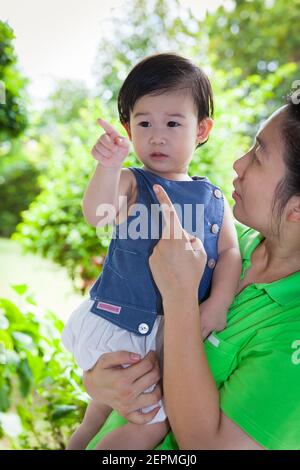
(236, 165)
(239, 165)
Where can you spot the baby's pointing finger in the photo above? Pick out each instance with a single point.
(110, 130)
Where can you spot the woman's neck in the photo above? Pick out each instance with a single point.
(269, 262)
(278, 256)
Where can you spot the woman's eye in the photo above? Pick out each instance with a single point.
(173, 124)
(144, 124)
(254, 153)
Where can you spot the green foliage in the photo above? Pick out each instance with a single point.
(251, 52)
(13, 118)
(257, 36)
(39, 381)
(18, 176)
(18, 186)
(145, 27)
(54, 224)
(65, 103)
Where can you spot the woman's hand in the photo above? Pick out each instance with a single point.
(122, 388)
(178, 260)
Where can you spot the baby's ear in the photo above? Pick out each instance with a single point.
(204, 129)
(126, 126)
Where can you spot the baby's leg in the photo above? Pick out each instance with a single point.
(94, 417)
(135, 437)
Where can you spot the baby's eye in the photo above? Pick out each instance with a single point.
(173, 124)
(144, 124)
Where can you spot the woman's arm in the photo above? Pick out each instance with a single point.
(191, 395)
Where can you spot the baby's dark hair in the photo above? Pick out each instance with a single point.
(161, 73)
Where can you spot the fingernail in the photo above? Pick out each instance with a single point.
(156, 189)
(135, 357)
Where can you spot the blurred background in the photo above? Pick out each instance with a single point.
(61, 65)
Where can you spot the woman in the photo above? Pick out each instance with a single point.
(239, 389)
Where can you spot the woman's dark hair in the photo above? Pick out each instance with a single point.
(161, 73)
(289, 186)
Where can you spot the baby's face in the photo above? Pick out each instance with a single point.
(165, 131)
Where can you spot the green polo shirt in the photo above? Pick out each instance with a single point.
(255, 361)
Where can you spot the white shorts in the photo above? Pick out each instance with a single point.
(88, 336)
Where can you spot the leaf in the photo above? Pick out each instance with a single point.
(12, 312)
(4, 395)
(30, 300)
(26, 340)
(6, 340)
(20, 288)
(25, 376)
(63, 410)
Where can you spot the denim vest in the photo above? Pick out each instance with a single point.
(125, 292)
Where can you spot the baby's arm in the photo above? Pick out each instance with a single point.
(225, 278)
(109, 181)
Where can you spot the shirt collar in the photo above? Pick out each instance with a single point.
(285, 290)
(249, 240)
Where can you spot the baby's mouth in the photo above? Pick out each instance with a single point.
(158, 155)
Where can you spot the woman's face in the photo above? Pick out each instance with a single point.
(258, 173)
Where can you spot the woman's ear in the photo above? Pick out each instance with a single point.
(126, 126)
(293, 214)
(204, 128)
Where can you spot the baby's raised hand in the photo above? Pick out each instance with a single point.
(111, 148)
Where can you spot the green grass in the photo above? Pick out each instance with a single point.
(48, 282)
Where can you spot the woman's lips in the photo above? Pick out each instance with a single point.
(236, 196)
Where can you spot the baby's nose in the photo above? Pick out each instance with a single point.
(157, 138)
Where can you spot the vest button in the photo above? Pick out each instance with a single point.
(217, 193)
(143, 328)
(211, 263)
(215, 229)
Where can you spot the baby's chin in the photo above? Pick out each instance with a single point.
(160, 163)
(159, 169)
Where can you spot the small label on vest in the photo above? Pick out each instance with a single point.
(109, 307)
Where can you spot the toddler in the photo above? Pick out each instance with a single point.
(165, 104)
